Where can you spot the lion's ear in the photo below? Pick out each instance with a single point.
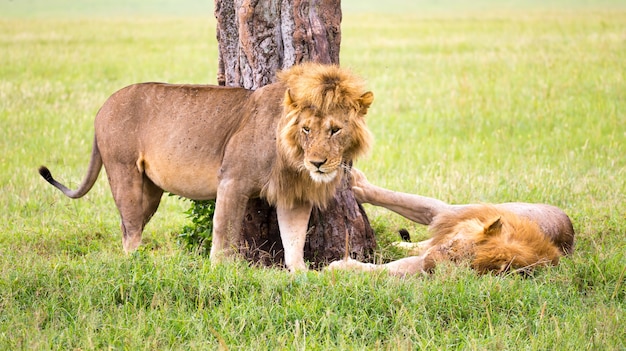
(365, 101)
(288, 101)
(494, 228)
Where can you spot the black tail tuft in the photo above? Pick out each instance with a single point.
(45, 173)
(404, 234)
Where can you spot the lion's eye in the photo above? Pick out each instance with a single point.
(306, 130)
(335, 130)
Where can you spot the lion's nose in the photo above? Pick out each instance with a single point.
(318, 164)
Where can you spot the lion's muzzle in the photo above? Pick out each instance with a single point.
(321, 171)
(323, 177)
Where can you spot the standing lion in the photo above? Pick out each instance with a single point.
(286, 142)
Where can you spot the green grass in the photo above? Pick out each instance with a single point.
(489, 101)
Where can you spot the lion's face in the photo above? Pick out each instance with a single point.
(322, 142)
(322, 128)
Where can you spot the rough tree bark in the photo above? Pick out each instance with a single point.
(256, 39)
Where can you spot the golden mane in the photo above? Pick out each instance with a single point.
(322, 87)
(323, 90)
(495, 240)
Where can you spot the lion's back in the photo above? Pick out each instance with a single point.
(158, 106)
(179, 135)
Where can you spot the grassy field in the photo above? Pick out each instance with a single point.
(488, 102)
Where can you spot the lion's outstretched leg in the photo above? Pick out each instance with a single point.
(137, 199)
(417, 208)
(293, 223)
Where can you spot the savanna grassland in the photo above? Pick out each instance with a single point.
(488, 102)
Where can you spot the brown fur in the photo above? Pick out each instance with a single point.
(493, 240)
(488, 238)
(209, 142)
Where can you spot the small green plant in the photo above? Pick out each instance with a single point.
(197, 235)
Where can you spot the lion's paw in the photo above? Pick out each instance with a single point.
(350, 264)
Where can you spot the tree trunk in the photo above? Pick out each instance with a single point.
(256, 39)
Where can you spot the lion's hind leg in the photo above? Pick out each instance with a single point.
(137, 199)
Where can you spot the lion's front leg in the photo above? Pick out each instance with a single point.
(293, 223)
(230, 208)
(417, 208)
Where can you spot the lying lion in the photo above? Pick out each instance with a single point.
(287, 142)
(492, 238)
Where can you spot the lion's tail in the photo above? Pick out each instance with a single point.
(405, 235)
(95, 164)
